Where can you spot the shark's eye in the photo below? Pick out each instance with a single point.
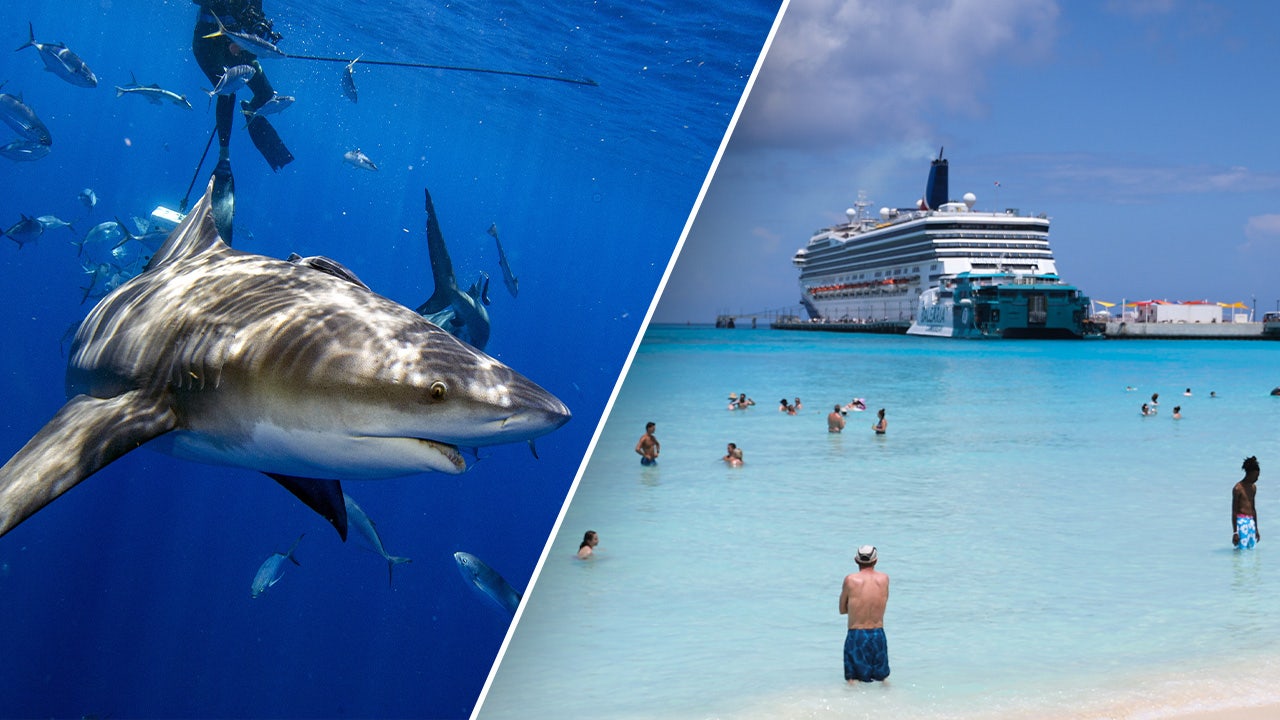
(438, 391)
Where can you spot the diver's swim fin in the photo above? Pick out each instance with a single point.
(224, 198)
(267, 141)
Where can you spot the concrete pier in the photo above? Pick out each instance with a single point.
(1117, 330)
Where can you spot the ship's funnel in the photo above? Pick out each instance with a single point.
(935, 192)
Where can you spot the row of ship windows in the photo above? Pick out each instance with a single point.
(893, 273)
(949, 243)
(816, 268)
(1041, 229)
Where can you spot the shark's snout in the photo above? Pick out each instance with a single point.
(537, 419)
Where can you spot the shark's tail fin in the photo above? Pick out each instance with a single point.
(30, 43)
(392, 562)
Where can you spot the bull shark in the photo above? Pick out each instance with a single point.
(461, 313)
(226, 357)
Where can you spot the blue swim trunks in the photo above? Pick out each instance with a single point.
(1247, 530)
(866, 655)
(648, 461)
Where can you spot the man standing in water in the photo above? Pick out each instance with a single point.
(648, 446)
(863, 599)
(1244, 515)
(835, 420)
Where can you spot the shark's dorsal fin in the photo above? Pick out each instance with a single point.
(196, 234)
(441, 265)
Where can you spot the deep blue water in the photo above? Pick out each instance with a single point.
(129, 596)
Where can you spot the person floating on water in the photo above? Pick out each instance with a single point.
(1244, 514)
(219, 56)
(863, 598)
(648, 447)
(587, 548)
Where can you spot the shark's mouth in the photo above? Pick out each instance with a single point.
(450, 454)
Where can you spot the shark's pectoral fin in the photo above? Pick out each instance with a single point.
(323, 496)
(85, 436)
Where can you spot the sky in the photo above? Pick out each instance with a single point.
(1148, 131)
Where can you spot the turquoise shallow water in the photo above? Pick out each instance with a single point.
(1051, 550)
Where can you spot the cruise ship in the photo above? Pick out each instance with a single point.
(940, 269)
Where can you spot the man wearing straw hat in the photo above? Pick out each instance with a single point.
(863, 599)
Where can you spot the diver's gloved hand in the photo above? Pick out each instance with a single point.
(255, 23)
(264, 31)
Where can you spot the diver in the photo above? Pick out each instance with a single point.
(215, 52)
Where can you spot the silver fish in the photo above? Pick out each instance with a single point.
(102, 240)
(277, 103)
(25, 231)
(23, 120)
(358, 519)
(359, 159)
(52, 222)
(349, 80)
(272, 569)
(232, 79)
(152, 93)
(24, 150)
(89, 198)
(61, 62)
(508, 278)
(248, 41)
(487, 581)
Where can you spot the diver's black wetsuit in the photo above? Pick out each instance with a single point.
(215, 54)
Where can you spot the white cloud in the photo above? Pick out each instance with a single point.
(1261, 231)
(1129, 180)
(864, 72)
(769, 240)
